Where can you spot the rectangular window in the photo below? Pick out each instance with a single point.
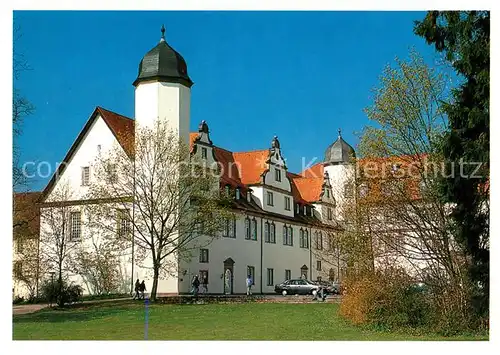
(277, 174)
(272, 235)
(19, 245)
(18, 268)
(203, 255)
(288, 235)
(254, 229)
(251, 273)
(230, 228)
(330, 214)
(267, 227)
(269, 198)
(306, 239)
(204, 153)
(288, 274)
(123, 223)
(318, 265)
(287, 203)
(247, 228)
(85, 175)
(319, 241)
(203, 276)
(270, 277)
(75, 225)
(112, 176)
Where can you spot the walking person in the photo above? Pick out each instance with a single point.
(195, 285)
(249, 285)
(204, 282)
(142, 288)
(136, 289)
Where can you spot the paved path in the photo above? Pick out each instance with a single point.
(31, 308)
(27, 308)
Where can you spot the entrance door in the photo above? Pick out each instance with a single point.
(303, 272)
(228, 276)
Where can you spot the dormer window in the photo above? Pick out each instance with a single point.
(249, 195)
(330, 214)
(277, 174)
(297, 208)
(305, 211)
(327, 193)
(204, 153)
(237, 193)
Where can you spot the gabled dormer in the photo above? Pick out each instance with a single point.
(202, 147)
(276, 173)
(326, 190)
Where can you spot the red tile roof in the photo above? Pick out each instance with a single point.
(122, 127)
(309, 189)
(315, 171)
(251, 165)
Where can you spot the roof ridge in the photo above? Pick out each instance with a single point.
(100, 108)
(252, 151)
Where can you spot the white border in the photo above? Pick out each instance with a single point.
(218, 346)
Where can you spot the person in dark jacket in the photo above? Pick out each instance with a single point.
(195, 284)
(136, 289)
(142, 288)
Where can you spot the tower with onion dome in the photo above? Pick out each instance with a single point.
(163, 89)
(339, 164)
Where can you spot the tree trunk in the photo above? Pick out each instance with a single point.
(154, 288)
(60, 300)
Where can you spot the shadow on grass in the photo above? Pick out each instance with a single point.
(79, 312)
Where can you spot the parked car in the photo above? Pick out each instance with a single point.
(296, 287)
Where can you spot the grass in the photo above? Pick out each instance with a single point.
(125, 320)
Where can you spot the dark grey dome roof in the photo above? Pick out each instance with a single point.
(163, 63)
(339, 152)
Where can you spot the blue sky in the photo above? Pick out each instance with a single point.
(298, 75)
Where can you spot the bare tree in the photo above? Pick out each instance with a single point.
(398, 209)
(60, 233)
(26, 219)
(171, 202)
(21, 108)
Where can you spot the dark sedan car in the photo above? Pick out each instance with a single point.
(296, 287)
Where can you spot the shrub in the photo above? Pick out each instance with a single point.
(18, 300)
(53, 293)
(388, 300)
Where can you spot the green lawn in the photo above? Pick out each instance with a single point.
(248, 321)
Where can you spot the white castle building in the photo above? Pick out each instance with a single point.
(285, 220)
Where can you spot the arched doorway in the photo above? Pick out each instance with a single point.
(228, 276)
(304, 271)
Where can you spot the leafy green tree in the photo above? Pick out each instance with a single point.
(464, 39)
